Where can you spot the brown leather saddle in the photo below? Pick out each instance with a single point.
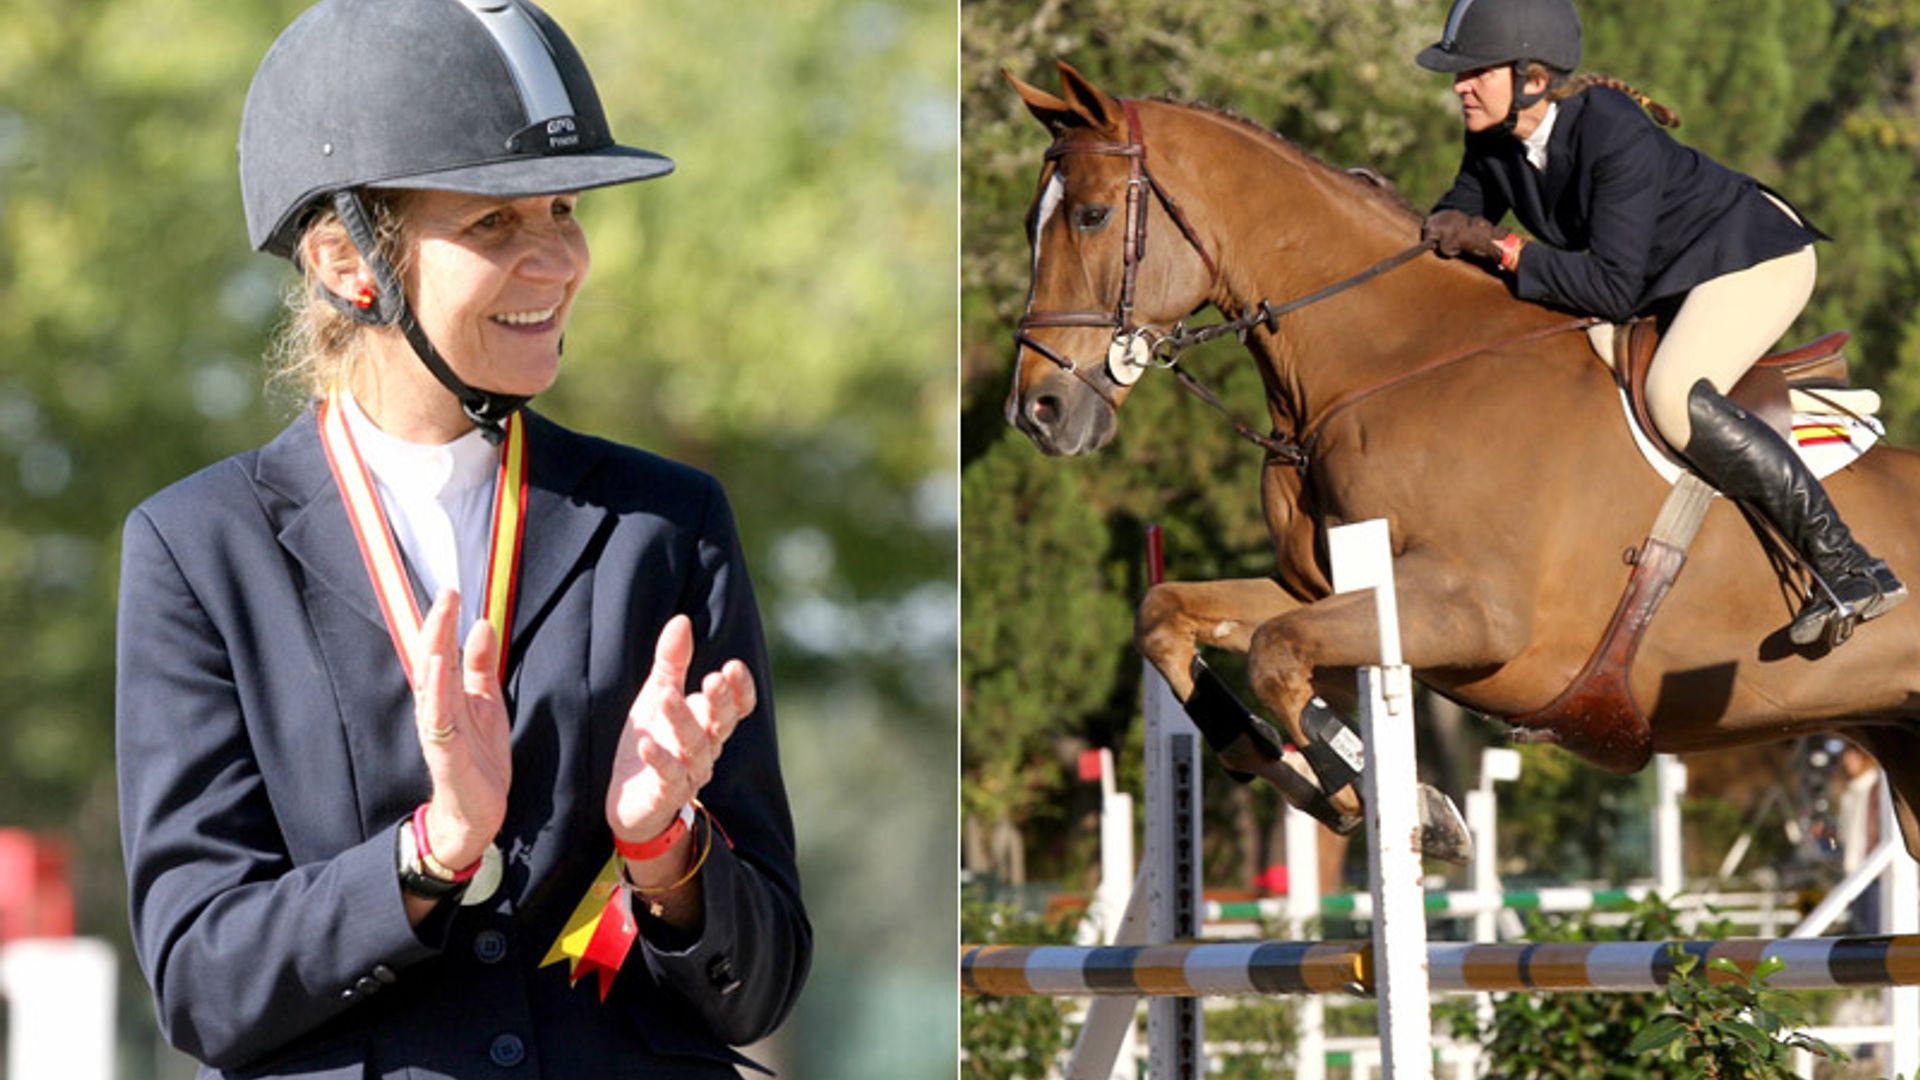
(1596, 716)
(1818, 365)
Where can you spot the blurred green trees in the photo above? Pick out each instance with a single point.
(780, 312)
(1819, 99)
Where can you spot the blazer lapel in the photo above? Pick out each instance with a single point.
(560, 525)
(312, 519)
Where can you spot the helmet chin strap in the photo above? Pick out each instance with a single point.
(1522, 100)
(485, 408)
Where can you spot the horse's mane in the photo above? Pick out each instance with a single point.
(1388, 197)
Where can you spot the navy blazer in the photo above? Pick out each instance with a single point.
(267, 755)
(1626, 215)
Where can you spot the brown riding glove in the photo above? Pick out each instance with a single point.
(1454, 233)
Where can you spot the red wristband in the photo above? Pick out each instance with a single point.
(425, 851)
(1510, 246)
(656, 847)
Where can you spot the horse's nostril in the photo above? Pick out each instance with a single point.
(1045, 410)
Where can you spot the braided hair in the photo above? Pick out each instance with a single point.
(1565, 87)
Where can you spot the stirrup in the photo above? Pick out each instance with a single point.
(1830, 618)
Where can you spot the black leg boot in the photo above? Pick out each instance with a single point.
(1747, 460)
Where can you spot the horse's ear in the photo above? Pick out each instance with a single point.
(1089, 101)
(1055, 114)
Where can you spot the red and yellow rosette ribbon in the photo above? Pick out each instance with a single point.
(599, 933)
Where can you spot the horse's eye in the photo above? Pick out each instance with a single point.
(1090, 218)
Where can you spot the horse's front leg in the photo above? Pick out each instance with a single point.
(1177, 618)
(1447, 621)
(1174, 621)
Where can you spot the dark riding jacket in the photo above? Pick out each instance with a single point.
(267, 755)
(1625, 214)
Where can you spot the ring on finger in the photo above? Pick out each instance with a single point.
(443, 733)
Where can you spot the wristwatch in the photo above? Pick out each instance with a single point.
(415, 879)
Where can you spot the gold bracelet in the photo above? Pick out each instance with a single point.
(654, 906)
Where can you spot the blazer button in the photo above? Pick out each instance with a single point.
(349, 995)
(720, 974)
(489, 946)
(507, 1051)
(385, 974)
(366, 985)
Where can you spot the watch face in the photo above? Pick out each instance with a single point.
(485, 880)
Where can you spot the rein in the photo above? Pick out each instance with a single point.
(1164, 349)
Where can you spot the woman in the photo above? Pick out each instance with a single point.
(1626, 219)
(354, 842)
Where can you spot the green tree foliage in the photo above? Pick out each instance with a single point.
(779, 312)
(1029, 697)
(1818, 99)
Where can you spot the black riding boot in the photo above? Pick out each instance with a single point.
(1747, 460)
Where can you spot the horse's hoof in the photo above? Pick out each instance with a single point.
(1443, 832)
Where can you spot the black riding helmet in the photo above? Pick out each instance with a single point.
(1488, 33)
(485, 97)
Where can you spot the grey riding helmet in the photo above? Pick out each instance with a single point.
(1486, 33)
(484, 97)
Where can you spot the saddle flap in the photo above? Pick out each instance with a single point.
(1820, 364)
(1634, 344)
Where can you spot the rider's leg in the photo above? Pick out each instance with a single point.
(1724, 326)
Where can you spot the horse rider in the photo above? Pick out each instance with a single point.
(1627, 221)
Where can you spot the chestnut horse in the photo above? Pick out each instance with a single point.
(1510, 480)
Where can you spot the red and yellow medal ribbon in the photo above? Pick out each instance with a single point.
(382, 556)
(600, 932)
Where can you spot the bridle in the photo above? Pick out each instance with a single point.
(1143, 346)
(1127, 336)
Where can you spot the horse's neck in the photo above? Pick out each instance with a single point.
(1288, 226)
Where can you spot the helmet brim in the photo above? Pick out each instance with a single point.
(545, 175)
(1437, 57)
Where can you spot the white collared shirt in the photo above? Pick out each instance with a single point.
(1537, 142)
(439, 503)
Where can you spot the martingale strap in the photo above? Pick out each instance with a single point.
(382, 556)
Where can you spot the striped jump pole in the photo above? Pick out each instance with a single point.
(1347, 967)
